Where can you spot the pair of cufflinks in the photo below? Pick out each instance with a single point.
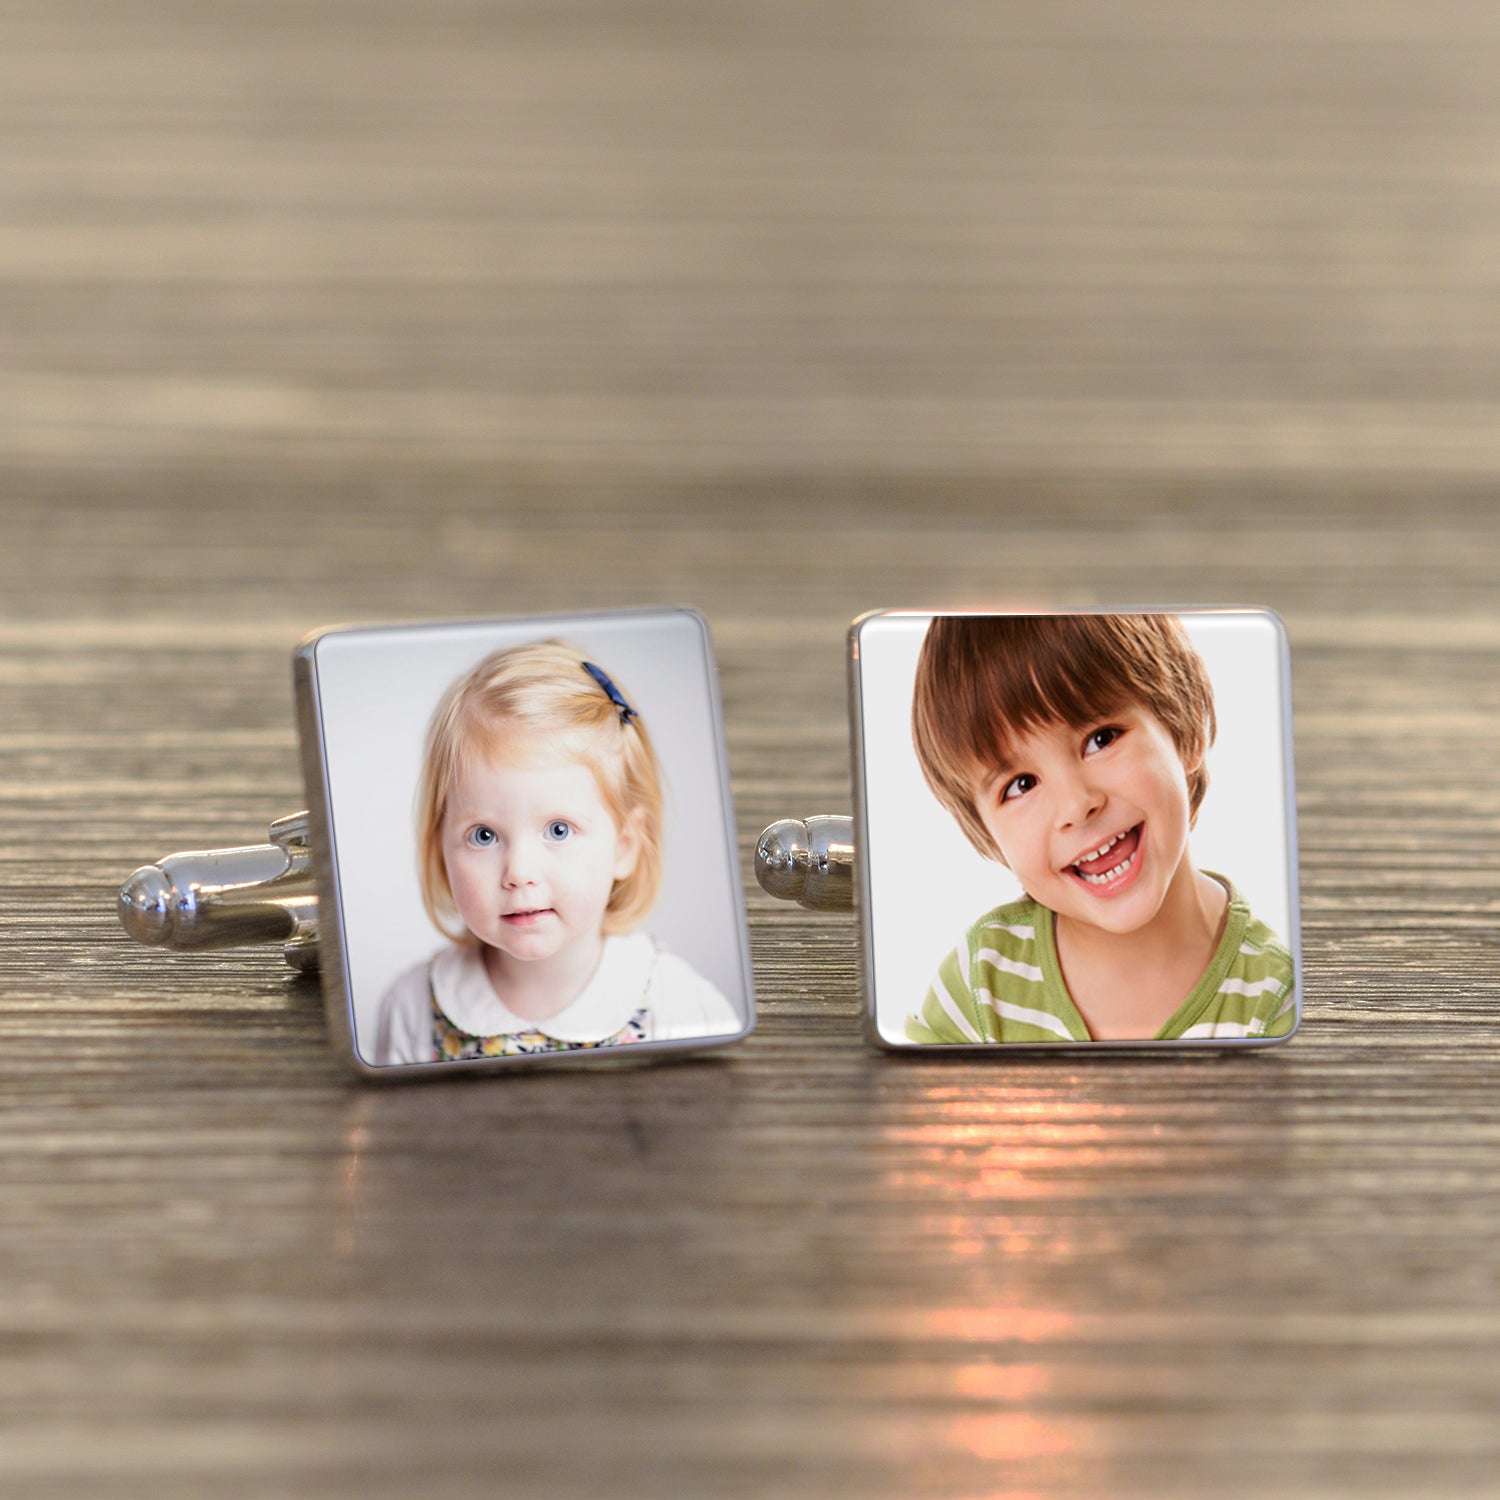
(1070, 829)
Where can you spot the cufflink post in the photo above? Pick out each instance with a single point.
(222, 898)
(809, 861)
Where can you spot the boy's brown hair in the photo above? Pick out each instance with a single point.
(541, 696)
(983, 679)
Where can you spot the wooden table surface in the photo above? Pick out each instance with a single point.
(368, 311)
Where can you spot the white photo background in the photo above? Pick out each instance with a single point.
(378, 689)
(927, 883)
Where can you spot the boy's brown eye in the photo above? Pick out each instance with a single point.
(1102, 738)
(1017, 786)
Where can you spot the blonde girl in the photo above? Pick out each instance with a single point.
(539, 833)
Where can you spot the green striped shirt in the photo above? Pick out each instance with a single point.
(1003, 983)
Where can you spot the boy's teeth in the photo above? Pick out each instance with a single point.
(1095, 857)
(1100, 852)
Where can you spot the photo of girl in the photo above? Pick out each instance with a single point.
(523, 839)
(539, 847)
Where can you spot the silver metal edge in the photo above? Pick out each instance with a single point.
(864, 917)
(333, 971)
(1220, 1048)
(1293, 855)
(710, 660)
(337, 1000)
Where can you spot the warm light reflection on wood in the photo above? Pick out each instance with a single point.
(1011, 1435)
(990, 1382)
(965, 1175)
(970, 1145)
(998, 1324)
(993, 1162)
(1049, 1132)
(351, 1165)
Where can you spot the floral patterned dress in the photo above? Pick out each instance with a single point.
(449, 1044)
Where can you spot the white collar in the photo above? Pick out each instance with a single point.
(461, 986)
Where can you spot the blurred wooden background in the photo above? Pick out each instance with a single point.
(363, 311)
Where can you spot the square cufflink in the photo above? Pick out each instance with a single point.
(519, 846)
(1070, 829)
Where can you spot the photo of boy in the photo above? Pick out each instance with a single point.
(1072, 749)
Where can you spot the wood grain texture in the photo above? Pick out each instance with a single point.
(369, 311)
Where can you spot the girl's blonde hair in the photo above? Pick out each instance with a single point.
(542, 692)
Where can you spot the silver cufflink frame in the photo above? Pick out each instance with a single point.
(923, 887)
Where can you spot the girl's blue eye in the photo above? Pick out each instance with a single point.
(482, 837)
(1017, 786)
(557, 831)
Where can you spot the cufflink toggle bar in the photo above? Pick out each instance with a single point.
(219, 898)
(809, 861)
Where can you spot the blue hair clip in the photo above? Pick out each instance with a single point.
(627, 713)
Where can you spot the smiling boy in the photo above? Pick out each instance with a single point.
(1072, 749)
